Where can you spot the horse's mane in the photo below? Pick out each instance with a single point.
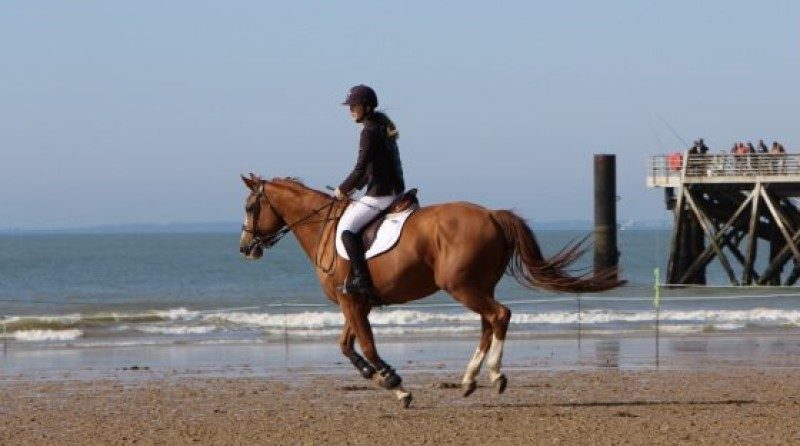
(295, 181)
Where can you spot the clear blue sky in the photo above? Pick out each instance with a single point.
(147, 111)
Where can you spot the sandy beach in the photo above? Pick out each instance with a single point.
(603, 406)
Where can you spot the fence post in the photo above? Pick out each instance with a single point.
(656, 305)
(579, 322)
(285, 333)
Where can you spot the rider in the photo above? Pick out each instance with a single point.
(378, 167)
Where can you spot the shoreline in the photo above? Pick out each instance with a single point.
(417, 355)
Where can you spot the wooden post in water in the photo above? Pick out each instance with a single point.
(606, 254)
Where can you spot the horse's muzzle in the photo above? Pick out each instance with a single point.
(251, 251)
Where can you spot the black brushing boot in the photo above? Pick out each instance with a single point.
(359, 281)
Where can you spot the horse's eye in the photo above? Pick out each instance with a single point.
(248, 208)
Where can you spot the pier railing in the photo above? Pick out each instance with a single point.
(668, 170)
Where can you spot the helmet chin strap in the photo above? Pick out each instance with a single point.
(368, 111)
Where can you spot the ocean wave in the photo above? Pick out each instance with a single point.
(306, 319)
(700, 328)
(179, 321)
(401, 318)
(177, 329)
(324, 319)
(177, 314)
(378, 331)
(46, 335)
(751, 316)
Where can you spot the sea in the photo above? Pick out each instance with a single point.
(107, 290)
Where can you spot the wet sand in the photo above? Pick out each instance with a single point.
(742, 389)
(603, 406)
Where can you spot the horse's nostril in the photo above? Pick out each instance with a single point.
(243, 250)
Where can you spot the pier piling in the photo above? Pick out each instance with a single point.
(606, 254)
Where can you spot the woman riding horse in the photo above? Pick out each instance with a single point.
(378, 167)
(460, 248)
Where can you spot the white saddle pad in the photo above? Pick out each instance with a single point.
(388, 235)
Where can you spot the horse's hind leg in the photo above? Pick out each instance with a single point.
(468, 384)
(347, 343)
(500, 317)
(497, 316)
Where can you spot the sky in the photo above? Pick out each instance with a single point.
(148, 111)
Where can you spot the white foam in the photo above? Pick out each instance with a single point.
(378, 331)
(306, 319)
(728, 327)
(177, 329)
(180, 314)
(395, 331)
(405, 318)
(756, 315)
(409, 317)
(57, 319)
(681, 329)
(46, 335)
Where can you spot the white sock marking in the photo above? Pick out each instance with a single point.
(401, 393)
(474, 366)
(495, 359)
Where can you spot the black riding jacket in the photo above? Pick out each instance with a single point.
(378, 165)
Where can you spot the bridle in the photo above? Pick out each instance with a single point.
(265, 241)
(260, 238)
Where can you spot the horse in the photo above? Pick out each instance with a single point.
(459, 247)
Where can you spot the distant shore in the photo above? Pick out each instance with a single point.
(235, 227)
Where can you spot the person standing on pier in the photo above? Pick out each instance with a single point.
(779, 157)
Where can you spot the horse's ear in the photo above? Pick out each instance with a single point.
(248, 182)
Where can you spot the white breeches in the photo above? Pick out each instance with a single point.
(362, 211)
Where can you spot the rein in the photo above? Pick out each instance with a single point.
(267, 241)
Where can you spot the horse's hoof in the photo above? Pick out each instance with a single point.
(389, 379)
(367, 372)
(500, 383)
(469, 388)
(406, 400)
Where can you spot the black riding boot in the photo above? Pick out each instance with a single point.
(359, 281)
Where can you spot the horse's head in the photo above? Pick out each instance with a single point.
(262, 223)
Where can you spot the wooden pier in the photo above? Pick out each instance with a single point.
(724, 205)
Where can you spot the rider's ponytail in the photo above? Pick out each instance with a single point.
(391, 129)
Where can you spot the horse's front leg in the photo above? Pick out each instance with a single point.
(347, 343)
(356, 315)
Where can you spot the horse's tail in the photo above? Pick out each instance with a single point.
(529, 267)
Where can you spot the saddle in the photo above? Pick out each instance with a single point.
(403, 203)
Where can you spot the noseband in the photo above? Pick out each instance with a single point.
(261, 239)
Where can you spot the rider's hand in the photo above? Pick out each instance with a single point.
(339, 195)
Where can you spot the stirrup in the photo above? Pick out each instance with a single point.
(365, 290)
(372, 295)
(365, 286)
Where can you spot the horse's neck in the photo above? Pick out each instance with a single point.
(301, 208)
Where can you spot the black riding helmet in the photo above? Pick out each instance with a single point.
(363, 95)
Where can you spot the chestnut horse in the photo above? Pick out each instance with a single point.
(460, 248)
